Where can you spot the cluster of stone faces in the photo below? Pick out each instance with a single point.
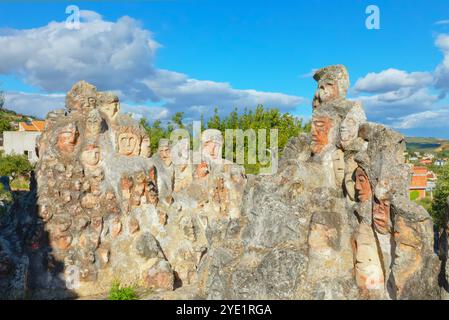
(106, 204)
(337, 212)
(110, 210)
(370, 176)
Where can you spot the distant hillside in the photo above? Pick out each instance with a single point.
(9, 120)
(428, 145)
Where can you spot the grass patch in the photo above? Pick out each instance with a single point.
(118, 292)
(20, 184)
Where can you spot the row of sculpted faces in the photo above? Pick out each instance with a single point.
(381, 207)
(130, 141)
(128, 145)
(181, 155)
(182, 166)
(100, 110)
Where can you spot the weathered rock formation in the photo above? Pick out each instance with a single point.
(334, 222)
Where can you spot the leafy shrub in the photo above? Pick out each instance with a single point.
(13, 165)
(122, 293)
(258, 118)
(439, 204)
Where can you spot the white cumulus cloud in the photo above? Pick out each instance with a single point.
(391, 80)
(117, 56)
(425, 119)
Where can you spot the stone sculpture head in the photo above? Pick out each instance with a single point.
(128, 141)
(212, 144)
(164, 151)
(109, 105)
(350, 167)
(67, 138)
(362, 185)
(93, 123)
(321, 127)
(82, 97)
(180, 152)
(333, 83)
(90, 156)
(338, 161)
(145, 147)
(381, 215)
(349, 127)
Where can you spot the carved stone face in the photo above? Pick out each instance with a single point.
(90, 156)
(211, 144)
(89, 104)
(202, 170)
(327, 91)
(350, 167)
(338, 161)
(348, 129)
(145, 147)
(368, 269)
(68, 138)
(93, 123)
(181, 152)
(212, 149)
(321, 127)
(381, 216)
(127, 143)
(164, 154)
(362, 185)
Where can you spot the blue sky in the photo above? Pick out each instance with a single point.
(193, 55)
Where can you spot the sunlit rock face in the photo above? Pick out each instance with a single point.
(334, 222)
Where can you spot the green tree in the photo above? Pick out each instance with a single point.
(14, 165)
(439, 204)
(156, 132)
(177, 119)
(5, 124)
(258, 118)
(214, 122)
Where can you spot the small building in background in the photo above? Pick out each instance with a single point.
(425, 161)
(24, 140)
(419, 181)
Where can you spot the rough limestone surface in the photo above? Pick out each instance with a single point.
(334, 221)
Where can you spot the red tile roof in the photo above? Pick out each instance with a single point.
(419, 178)
(35, 125)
